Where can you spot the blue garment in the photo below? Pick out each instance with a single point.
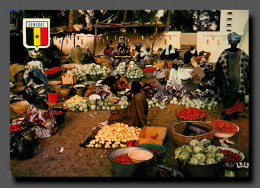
(37, 76)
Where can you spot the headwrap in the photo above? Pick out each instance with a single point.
(147, 49)
(168, 52)
(233, 38)
(207, 68)
(193, 51)
(159, 74)
(138, 44)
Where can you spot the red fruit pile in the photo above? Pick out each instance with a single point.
(191, 114)
(123, 158)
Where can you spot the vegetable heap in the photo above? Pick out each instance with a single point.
(16, 125)
(114, 136)
(230, 156)
(57, 112)
(53, 70)
(101, 105)
(134, 71)
(191, 114)
(76, 103)
(155, 103)
(149, 69)
(124, 102)
(121, 67)
(123, 158)
(197, 103)
(198, 153)
(222, 126)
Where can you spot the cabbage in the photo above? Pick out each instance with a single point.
(210, 155)
(104, 107)
(113, 108)
(184, 156)
(194, 142)
(218, 157)
(124, 98)
(109, 103)
(187, 148)
(84, 105)
(201, 157)
(98, 107)
(177, 151)
(85, 110)
(81, 109)
(202, 164)
(93, 107)
(92, 102)
(198, 149)
(205, 142)
(193, 161)
(100, 103)
(210, 161)
(212, 148)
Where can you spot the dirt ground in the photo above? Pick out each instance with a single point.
(76, 161)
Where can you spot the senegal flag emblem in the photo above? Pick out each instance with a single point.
(36, 33)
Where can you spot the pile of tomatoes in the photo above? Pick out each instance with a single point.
(229, 156)
(57, 112)
(16, 127)
(191, 114)
(222, 126)
(123, 158)
(149, 69)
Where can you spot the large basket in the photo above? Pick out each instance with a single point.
(54, 82)
(19, 107)
(178, 128)
(148, 75)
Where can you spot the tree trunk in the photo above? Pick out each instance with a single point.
(95, 39)
(76, 16)
(125, 16)
(71, 18)
(168, 22)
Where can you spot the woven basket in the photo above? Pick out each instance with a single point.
(64, 93)
(53, 83)
(19, 107)
(178, 128)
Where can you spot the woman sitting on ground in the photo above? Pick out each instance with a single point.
(137, 112)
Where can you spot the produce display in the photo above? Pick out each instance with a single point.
(123, 158)
(198, 153)
(16, 125)
(101, 105)
(155, 103)
(230, 156)
(196, 103)
(191, 114)
(123, 102)
(222, 126)
(229, 173)
(134, 71)
(114, 136)
(76, 103)
(121, 84)
(149, 69)
(121, 67)
(92, 69)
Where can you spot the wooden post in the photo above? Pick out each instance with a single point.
(74, 42)
(156, 28)
(95, 39)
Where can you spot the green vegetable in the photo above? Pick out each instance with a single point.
(198, 149)
(219, 157)
(210, 161)
(184, 156)
(177, 151)
(210, 155)
(100, 103)
(212, 148)
(187, 148)
(93, 107)
(201, 157)
(205, 142)
(193, 161)
(92, 102)
(194, 142)
(229, 173)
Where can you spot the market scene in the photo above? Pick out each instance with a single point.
(129, 93)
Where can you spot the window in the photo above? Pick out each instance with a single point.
(228, 30)
(229, 25)
(230, 13)
(229, 19)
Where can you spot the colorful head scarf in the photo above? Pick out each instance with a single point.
(233, 38)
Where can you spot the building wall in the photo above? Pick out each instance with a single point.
(161, 41)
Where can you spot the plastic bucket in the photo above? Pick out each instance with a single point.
(150, 146)
(53, 97)
(125, 169)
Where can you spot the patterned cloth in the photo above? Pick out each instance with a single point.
(233, 38)
(30, 65)
(43, 117)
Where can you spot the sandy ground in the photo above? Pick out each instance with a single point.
(76, 161)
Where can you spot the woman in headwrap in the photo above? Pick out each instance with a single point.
(162, 93)
(147, 52)
(137, 112)
(178, 73)
(139, 55)
(108, 87)
(108, 50)
(39, 115)
(232, 81)
(168, 53)
(189, 54)
(202, 57)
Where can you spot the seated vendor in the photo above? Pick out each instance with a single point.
(88, 58)
(189, 54)
(39, 115)
(77, 54)
(202, 57)
(137, 112)
(139, 55)
(108, 50)
(169, 53)
(108, 87)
